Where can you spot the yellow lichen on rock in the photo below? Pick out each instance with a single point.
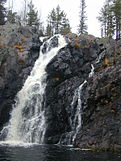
(77, 45)
(57, 78)
(20, 47)
(107, 61)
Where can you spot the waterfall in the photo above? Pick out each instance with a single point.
(27, 123)
(76, 114)
(76, 122)
(75, 118)
(101, 56)
(92, 71)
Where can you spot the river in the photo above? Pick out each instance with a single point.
(36, 152)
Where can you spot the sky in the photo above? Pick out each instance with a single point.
(72, 9)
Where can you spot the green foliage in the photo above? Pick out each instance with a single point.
(116, 10)
(106, 18)
(32, 16)
(57, 22)
(110, 33)
(2, 12)
(11, 16)
(82, 26)
(110, 18)
(49, 30)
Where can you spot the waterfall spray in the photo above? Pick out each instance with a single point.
(27, 123)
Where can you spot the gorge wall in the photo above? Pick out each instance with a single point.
(102, 104)
(100, 96)
(19, 49)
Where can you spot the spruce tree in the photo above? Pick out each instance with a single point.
(65, 25)
(106, 19)
(82, 26)
(57, 22)
(49, 30)
(103, 19)
(11, 16)
(32, 16)
(110, 18)
(116, 9)
(2, 12)
(51, 23)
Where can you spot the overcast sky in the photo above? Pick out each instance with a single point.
(71, 8)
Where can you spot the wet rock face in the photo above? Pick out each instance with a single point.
(102, 107)
(65, 73)
(52, 44)
(100, 97)
(19, 49)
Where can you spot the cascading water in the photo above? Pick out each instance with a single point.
(75, 118)
(102, 55)
(27, 123)
(92, 71)
(77, 121)
(76, 114)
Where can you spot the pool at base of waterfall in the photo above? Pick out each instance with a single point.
(36, 152)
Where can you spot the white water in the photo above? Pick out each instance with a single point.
(100, 57)
(76, 123)
(43, 38)
(27, 123)
(76, 120)
(92, 71)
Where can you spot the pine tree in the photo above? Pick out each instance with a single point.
(110, 18)
(57, 22)
(106, 19)
(82, 26)
(116, 9)
(58, 19)
(65, 25)
(11, 16)
(32, 16)
(51, 23)
(2, 12)
(49, 30)
(103, 20)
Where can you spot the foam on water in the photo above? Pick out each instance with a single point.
(27, 123)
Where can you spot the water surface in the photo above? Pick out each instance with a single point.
(52, 153)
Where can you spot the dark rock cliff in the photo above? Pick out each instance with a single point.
(101, 99)
(66, 72)
(19, 48)
(100, 96)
